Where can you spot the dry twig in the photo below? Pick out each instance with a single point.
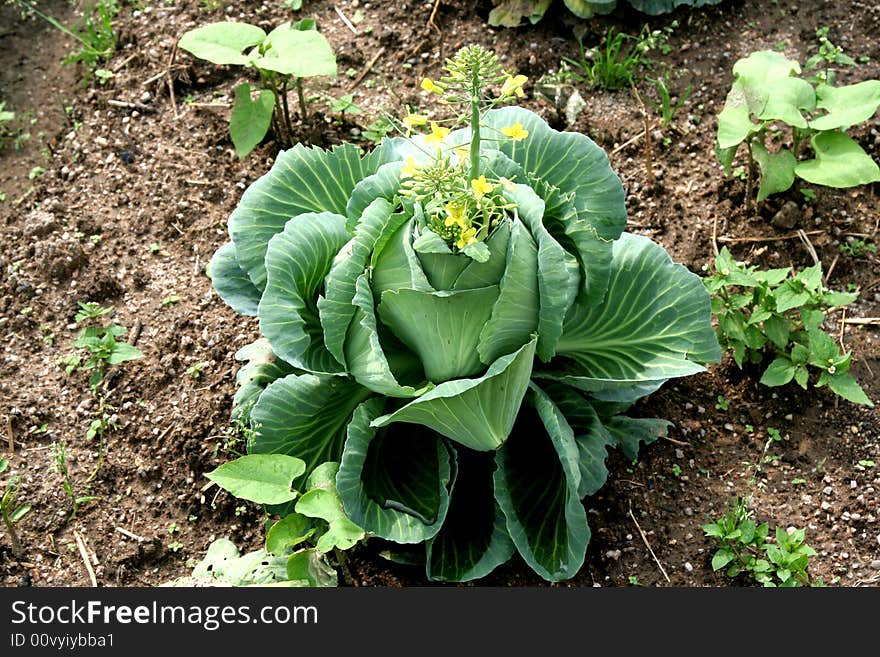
(345, 20)
(648, 545)
(85, 557)
(778, 238)
(10, 434)
(366, 69)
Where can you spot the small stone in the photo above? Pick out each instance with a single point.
(688, 566)
(679, 454)
(828, 490)
(788, 217)
(688, 511)
(825, 506)
(614, 555)
(875, 564)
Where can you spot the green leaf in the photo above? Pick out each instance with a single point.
(579, 169)
(300, 53)
(367, 358)
(396, 265)
(394, 481)
(801, 375)
(840, 162)
(326, 504)
(442, 328)
(224, 564)
(335, 308)
(627, 432)
(654, 324)
(790, 295)
(558, 272)
(725, 157)
(297, 260)
(301, 180)
(509, 13)
(261, 369)
(823, 348)
(260, 478)
(222, 43)
(778, 330)
(590, 435)
(846, 386)
(305, 415)
(515, 314)
(484, 274)
(734, 127)
(250, 119)
(478, 413)
(770, 91)
(846, 106)
(545, 517)
(473, 540)
(122, 352)
(231, 282)
(384, 183)
(431, 242)
(442, 269)
(780, 372)
(721, 558)
(477, 251)
(777, 170)
(288, 532)
(311, 568)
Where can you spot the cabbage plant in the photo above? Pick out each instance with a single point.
(459, 320)
(510, 13)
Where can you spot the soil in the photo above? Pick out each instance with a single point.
(140, 177)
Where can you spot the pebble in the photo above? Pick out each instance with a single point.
(614, 555)
(875, 564)
(828, 490)
(688, 566)
(825, 506)
(679, 454)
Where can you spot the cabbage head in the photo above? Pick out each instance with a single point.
(465, 350)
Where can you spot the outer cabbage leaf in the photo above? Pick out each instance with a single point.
(654, 325)
(305, 415)
(297, 260)
(262, 368)
(478, 413)
(537, 486)
(394, 481)
(473, 540)
(301, 180)
(231, 282)
(578, 168)
(335, 307)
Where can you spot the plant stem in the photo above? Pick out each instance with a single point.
(287, 123)
(475, 126)
(13, 536)
(303, 108)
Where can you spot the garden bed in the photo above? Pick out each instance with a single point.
(133, 201)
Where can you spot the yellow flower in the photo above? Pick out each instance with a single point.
(409, 169)
(481, 187)
(455, 215)
(414, 120)
(515, 132)
(438, 134)
(463, 154)
(429, 85)
(467, 237)
(513, 85)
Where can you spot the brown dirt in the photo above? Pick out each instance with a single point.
(161, 173)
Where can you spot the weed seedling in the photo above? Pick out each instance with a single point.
(59, 463)
(282, 59)
(101, 344)
(781, 312)
(195, 370)
(11, 513)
